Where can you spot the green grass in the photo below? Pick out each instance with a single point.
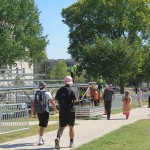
(33, 130)
(131, 137)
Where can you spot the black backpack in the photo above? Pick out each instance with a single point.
(40, 102)
(64, 95)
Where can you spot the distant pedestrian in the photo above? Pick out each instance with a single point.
(95, 97)
(148, 97)
(126, 104)
(139, 97)
(100, 83)
(66, 98)
(108, 96)
(92, 91)
(73, 71)
(43, 117)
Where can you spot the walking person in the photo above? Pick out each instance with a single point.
(66, 98)
(139, 97)
(43, 97)
(96, 97)
(108, 96)
(92, 91)
(126, 104)
(148, 97)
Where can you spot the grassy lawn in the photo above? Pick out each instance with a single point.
(33, 130)
(131, 137)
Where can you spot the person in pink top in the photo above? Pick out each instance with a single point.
(126, 104)
(139, 97)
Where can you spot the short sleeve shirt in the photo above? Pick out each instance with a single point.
(108, 94)
(139, 94)
(73, 96)
(48, 98)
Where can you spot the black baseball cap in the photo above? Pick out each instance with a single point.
(41, 85)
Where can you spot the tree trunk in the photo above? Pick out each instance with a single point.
(121, 85)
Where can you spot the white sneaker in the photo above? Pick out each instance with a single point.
(41, 142)
(71, 145)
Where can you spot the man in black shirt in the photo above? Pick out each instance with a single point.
(108, 97)
(66, 98)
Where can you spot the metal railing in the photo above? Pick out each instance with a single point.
(13, 117)
(26, 94)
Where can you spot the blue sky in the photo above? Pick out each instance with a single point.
(57, 32)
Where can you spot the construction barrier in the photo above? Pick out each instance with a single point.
(89, 111)
(13, 117)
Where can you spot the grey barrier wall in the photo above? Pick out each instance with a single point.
(13, 117)
(117, 103)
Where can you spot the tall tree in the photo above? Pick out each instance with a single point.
(146, 62)
(20, 32)
(123, 25)
(59, 71)
(115, 59)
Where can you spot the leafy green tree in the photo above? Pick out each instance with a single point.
(59, 71)
(115, 59)
(20, 32)
(106, 36)
(146, 62)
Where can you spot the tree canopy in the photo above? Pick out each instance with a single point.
(107, 36)
(59, 71)
(21, 33)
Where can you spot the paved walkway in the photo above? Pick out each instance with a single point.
(86, 131)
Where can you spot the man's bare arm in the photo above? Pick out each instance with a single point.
(32, 108)
(53, 105)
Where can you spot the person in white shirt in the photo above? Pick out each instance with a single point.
(148, 97)
(139, 97)
(43, 117)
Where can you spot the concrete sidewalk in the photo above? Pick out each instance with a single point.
(86, 131)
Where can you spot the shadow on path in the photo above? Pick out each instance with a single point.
(14, 146)
(118, 119)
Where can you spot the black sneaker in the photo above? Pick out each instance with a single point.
(57, 144)
(72, 145)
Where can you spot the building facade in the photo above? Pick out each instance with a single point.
(18, 74)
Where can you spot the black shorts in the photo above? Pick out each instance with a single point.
(43, 119)
(66, 119)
